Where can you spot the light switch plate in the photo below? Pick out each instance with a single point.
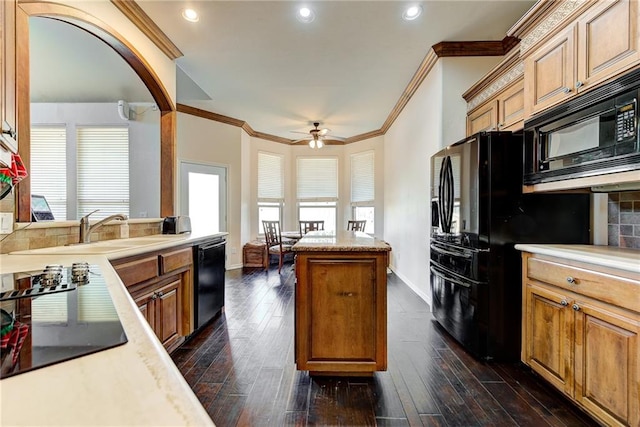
(6, 223)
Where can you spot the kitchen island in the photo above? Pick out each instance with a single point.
(134, 384)
(341, 303)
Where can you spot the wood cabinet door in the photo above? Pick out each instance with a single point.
(8, 64)
(342, 311)
(607, 41)
(169, 312)
(146, 304)
(606, 364)
(549, 73)
(511, 107)
(484, 118)
(548, 329)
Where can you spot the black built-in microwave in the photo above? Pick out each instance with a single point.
(593, 134)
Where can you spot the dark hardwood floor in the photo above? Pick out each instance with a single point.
(241, 367)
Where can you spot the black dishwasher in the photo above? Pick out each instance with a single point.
(208, 281)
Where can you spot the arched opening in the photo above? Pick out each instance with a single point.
(130, 55)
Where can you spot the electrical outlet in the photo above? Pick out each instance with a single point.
(6, 223)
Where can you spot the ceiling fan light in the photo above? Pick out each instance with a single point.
(305, 15)
(411, 13)
(312, 144)
(320, 143)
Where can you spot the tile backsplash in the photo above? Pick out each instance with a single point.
(624, 219)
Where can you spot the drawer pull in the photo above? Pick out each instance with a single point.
(572, 280)
(564, 303)
(576, 307)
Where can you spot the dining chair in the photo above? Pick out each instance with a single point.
(306, 226)
(274, 242)
(356, 225)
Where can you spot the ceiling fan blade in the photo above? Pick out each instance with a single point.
(297, 141)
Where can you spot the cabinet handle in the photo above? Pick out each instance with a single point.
(572, 280)
(576, 307)
(566, 90)
(6, 129)
(154, 296)
(564, 303)
(579, 84)
(160, 294)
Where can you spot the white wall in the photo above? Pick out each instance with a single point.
(207, 142)
(433, 118)
(144, 148)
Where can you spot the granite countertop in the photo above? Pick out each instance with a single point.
(135, 384)
(607, 256)
(121, 248)
(340, 241)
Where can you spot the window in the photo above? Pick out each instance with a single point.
(49, 167)
(270, 188)
(103, 157)
(363, 188)
(317, 190)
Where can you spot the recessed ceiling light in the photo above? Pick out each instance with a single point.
(305, 15)
(190, 15)
(411, 13)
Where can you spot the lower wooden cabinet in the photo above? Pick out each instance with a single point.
(162, 306)
(587, 348)
(341, 312)
(161, 285)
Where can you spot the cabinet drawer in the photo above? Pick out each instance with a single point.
(171, 261)
(604, 287)
(138, 271)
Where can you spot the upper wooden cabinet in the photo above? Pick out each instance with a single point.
(497, 101)
(597, 45)
(8, 107)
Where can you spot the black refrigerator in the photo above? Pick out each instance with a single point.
(478, 214)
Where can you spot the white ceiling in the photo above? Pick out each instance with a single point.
(253, 61)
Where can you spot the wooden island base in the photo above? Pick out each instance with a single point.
(341, 304)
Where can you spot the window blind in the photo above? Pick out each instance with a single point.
(103, 170)
(317, 179)
(362, 177)
(270, 177)
(49, 167)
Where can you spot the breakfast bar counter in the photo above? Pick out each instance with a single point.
(341, 303)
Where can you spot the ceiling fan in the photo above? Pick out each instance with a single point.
(316, 136)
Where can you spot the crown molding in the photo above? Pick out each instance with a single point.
(511, 60)
(475, 48)
(198, 112)
(140, 19)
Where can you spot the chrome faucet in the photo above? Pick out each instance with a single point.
(86, 229)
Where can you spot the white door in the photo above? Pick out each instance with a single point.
(203, 196)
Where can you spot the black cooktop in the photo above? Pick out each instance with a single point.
(53, 315)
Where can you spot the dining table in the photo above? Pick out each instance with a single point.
(291, 235)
